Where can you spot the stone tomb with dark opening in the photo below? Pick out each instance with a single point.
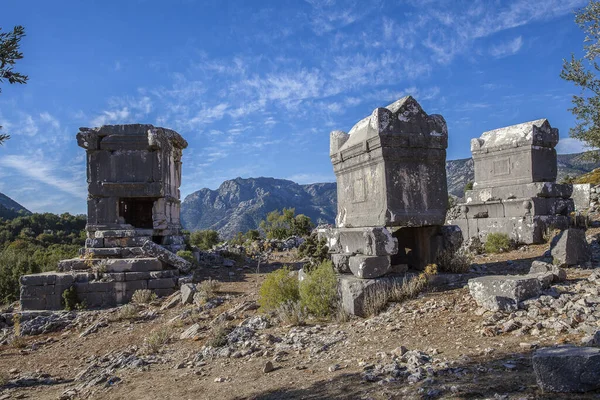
(133, 227)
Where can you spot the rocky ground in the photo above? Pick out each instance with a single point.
(439, 345)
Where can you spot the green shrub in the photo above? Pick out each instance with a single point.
(469, 186)
(498, 243)
(279, 287)
(315, 250)
(187, 255)
(205, 239)
(281, 225)
(318, 291)
(70, 299)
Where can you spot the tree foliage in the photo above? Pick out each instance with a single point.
(281, 225)
(582, 72)
(9, 54)
(36, 243)
(204, 239)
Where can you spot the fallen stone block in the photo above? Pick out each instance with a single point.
(567, 369)
(504, 293)
(570, 247)
(543, 267)
(359, 295)
(187, 293)
(369, 267)
(153, 250)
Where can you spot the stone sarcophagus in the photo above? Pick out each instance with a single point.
(390, 168)
(392, 197)
(515, 190)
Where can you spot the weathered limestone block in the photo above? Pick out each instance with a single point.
(371, 241)
(133, 265)
(582, 196)
(390, 168)
(517, 154)
(153, 250)
(162, 283)
(541, 267)
(368, 267)
(187, 293)
(341, 263)
(452, 237)
(504, 293)
(567, 369)
(358, 295)
(570, 247)
(529, 190)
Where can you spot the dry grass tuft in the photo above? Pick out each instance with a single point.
(143, 296)
(291, 313)
(379, 295)
(157, 339)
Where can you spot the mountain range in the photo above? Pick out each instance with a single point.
(240, 204)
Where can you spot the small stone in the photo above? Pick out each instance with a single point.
(268, 367)
(334, 367)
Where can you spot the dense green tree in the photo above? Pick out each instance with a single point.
(281, 225)
(204, 239)
(582, 72)
(9, 54)
(35, 243)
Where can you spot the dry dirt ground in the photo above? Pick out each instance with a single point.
(441, 322)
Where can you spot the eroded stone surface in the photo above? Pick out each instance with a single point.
(570, 247)
(567, 368)
(504, 293)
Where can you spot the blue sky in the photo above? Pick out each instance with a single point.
(256, 86)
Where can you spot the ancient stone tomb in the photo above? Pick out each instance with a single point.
(133, 228)
(392, 197)
(515, 190)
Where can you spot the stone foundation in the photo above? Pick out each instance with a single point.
(515, 191)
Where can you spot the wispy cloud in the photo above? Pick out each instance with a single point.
(508, 48)
(44, 171)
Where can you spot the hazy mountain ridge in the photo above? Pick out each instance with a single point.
(9, 208)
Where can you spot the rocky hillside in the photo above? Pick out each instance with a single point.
(9, 208)
(240, 204)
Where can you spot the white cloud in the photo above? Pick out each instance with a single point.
(507, 48)
(571, 145)
(35, 167)
(303, 178)
(111, 117)
(49, 119)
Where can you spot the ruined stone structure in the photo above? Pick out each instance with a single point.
(515, 190)
(392, 198)
(133, 228)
